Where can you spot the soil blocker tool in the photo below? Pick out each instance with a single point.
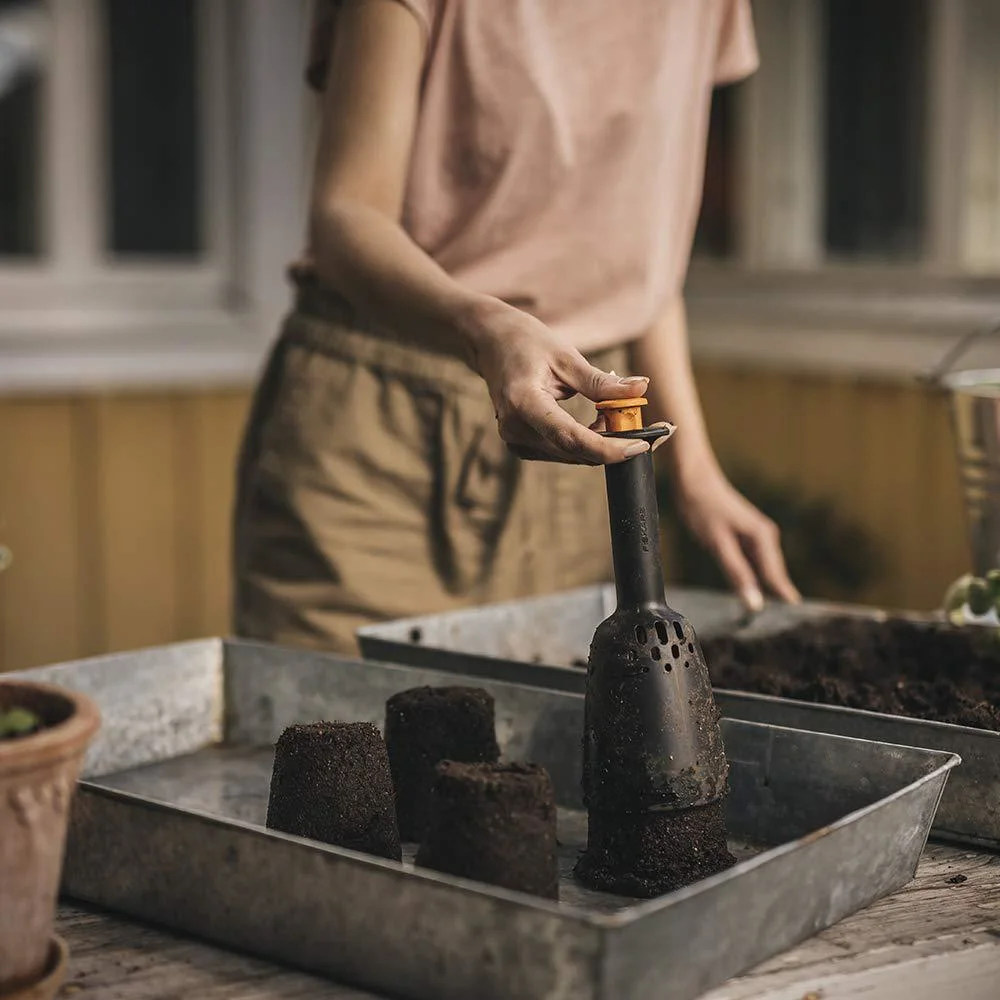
(654, 765)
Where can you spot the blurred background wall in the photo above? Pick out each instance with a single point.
(153, 158)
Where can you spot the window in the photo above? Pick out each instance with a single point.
(151, 169)
(870, 137)
(20, 112)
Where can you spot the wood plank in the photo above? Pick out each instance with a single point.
(38, 497)
(944, 538)
(137, 473)
(911, 415)
(189, 581)
(220, 429)
(92, 581)
(115, 957)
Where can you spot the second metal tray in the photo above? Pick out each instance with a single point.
(167, 826)
(538, 641)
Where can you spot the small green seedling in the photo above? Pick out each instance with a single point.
(973, 597)
(18, 721)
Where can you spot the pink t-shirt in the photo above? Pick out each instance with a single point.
(560, 148)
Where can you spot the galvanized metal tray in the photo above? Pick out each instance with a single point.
(538, 641)
(167, 826)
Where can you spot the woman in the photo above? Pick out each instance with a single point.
(504, 201)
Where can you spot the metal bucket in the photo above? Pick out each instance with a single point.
(975, 410)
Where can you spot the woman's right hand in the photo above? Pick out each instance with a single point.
(528, 370)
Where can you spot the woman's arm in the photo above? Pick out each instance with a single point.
(742, 539)
(369, 114)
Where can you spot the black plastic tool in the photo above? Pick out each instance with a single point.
(652, 742)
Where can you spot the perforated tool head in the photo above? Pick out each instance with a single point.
(653, 739)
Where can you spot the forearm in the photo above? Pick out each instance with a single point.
(374, 264)
(663, 355)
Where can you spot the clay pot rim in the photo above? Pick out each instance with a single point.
(52, 978)
(64, 739)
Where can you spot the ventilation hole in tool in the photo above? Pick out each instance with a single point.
(686, 665)
(640, 635)
(690, 647)
(668, 666)
(675, 651)
(679, 631)
(661, 631)
(655, 652)
(416, 635)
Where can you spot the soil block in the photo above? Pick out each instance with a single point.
(426, 725)
(331, 782)
(495, 823)
(924, 671)
(652, 853)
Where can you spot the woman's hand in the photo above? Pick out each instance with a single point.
(745, 542)
(528, 371)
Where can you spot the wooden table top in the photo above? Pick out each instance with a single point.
(938, 937)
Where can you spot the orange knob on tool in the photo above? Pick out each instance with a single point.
(622, 414)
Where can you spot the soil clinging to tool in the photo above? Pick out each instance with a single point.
(651, 853)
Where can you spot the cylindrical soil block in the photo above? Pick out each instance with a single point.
(651, 853)
(426, 725)
(331, 782)
(495, 823)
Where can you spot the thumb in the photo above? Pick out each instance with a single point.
(597, 385)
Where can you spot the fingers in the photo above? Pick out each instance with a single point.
(596, 385)
(764, 545)
(669, 428)
(538, 424)
(738, 570)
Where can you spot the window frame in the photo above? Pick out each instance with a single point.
(777, 301)
(77, 317)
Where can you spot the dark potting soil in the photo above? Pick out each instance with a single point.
(331, 782)
(649, 854)
(935, 671)
(495, 823)
(426, 725)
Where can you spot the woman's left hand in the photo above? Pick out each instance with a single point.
(745, 542)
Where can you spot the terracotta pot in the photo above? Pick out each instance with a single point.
(37, 778)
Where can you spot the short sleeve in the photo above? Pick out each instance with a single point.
(324, 22)
(736, 52)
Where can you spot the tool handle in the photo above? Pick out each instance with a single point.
(622, 415)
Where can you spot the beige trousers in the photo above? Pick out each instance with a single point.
(372, 485)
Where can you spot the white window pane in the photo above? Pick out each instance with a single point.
(876, 85)
(153, 150)
(22, 26)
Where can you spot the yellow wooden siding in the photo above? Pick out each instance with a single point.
(117, 510)
(117, 507)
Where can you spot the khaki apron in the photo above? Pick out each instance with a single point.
(372, 485)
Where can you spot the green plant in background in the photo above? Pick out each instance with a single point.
(971, 597)
(828, 556)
